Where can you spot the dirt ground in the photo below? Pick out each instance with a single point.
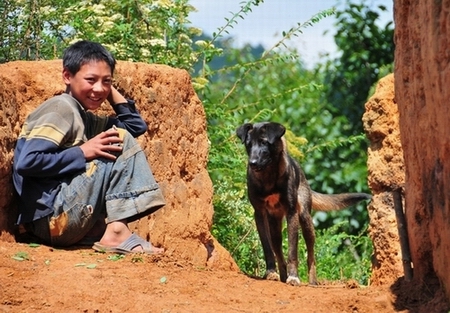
(42, 279)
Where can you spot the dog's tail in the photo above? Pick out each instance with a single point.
(334, 202)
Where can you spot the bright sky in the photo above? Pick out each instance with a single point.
(267, 21)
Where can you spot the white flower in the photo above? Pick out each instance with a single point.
(145, 52)
(98, 8)
(157, 42)
(108, 25)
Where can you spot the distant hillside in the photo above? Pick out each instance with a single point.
(224, 60)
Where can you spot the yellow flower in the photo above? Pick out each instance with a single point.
(164, 3)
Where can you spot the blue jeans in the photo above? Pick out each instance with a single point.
(124, 189)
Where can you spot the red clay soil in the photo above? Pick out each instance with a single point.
(40, 278)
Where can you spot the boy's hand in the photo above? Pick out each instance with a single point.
(115, 97)
(104, 145)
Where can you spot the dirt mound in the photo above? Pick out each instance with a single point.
(176, 146)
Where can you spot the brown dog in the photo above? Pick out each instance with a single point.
(277, 188)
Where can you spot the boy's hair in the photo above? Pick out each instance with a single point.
(85, 51)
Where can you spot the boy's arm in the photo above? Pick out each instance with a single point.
(42, 148)
(127, 115)
(115, 97)
(42, 158)
(51, 144)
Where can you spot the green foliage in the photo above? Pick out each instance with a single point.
(19, 22)
(366, 53)
(266, 58)
(333, 156)
(364, 48)
(249, 90)
(235, 228)
(294, 143)
(341, 256)
(145, 31)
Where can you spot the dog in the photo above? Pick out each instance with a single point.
(278, 189)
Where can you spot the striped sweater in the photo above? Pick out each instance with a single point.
(48, 149)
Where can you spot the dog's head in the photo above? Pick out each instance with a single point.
(263, 142)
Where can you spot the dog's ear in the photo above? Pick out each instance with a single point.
(274, 131)
(242, 131)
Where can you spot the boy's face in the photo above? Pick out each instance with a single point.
(91, 85)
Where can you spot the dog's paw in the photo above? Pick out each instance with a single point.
(273, 276)
(293, 281)
(313, 283)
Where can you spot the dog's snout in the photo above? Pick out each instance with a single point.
(258, 161)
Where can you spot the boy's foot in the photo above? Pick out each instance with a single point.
(133, 244)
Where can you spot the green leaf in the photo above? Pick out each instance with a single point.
(21, 256)
(116, 257)
(80, 264)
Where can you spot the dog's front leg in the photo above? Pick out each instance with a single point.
(292, 265)
(264, 236)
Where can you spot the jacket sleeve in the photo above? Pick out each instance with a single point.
(129, 118)
(42, 158)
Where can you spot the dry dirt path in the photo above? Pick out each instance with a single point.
(41, 279)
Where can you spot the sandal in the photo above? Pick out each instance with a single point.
(127, 246)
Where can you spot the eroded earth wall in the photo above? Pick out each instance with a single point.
(176, 145)
(386, 175)
(422, 78)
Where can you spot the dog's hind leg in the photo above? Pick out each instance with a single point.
(276, 236)
(264, 235)
(310, 238)
(292, 264)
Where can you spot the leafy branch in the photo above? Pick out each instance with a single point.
(286, 36)
(295, 31)
(208, 49)
(272, 97)
(338, 142)
(245, 9)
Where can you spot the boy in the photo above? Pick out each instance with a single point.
(72, 167)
